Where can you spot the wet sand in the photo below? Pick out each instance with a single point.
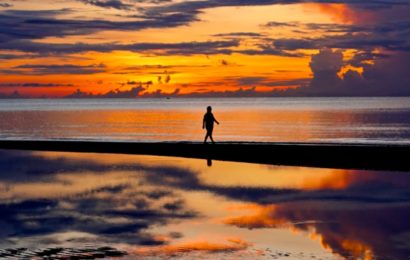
(323, 155)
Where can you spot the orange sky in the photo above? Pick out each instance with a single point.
(53, 49)
(196, 71)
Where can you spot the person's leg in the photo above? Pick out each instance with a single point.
(210, 135)
(206, 137)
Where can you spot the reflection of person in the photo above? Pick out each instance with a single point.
(209, 162)
(208, 122)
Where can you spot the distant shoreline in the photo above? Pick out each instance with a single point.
(321, 155)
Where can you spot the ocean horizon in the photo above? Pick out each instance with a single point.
(375, 120)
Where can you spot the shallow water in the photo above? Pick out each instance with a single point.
(340, 120)
(157, 207)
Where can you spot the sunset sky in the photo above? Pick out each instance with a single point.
(157, 48)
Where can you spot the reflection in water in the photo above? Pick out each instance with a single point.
(161, 206)
(209, 162)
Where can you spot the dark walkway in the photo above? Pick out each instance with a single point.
(344, 156)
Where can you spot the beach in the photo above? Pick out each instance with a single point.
(204, 129)
(306, 179)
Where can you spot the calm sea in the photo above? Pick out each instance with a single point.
(347, 120)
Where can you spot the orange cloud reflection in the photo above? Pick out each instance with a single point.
(234, 244)
(274, 216)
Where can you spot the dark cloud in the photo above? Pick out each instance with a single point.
(325, 65)
(389, 35)
(268, 82)
(280, 24)
(34, 85)
(121, 4)
(268, 49)
(116, 93)
(341, 42)
(246, 81)
(15, 94)
(16, 56)
(386, 31)
(132, 93)
(324, 27)
(158, 69)
(36, 69)
(183, 48)
(161, 94)
(197, 6)
(5, 5)
(385, 76)
(382, 47)
(247, 89)
(116, 4)
(239, 34)
(19, 24)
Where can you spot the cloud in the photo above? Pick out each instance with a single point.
(142, 90)
(323, 27)
(34, 85)
(122, 4)
(197, 6)
(380, 40)
(116, 93)
(15, 94)
(16, 56)
(385, 76)
(266, 49)
(158, 69)
(325, 65)
(5, 5)
(38, 24)
(347, 41)
(132, 93)
(116, 4)
(268, 82)
(378, 32)
(182, 48)
(239, 34)
(38, 69)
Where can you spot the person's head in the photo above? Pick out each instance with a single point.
(209, 109)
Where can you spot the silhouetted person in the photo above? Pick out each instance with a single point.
(208, 122)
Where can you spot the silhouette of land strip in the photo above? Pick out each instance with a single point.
(323, 155)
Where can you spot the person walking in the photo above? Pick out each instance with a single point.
(208, 123)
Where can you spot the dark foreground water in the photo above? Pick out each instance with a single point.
(59, 205)
(340, 120)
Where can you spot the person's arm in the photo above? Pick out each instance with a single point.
(216, 121)
(203, 123)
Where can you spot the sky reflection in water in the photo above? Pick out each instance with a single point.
(163, 206)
